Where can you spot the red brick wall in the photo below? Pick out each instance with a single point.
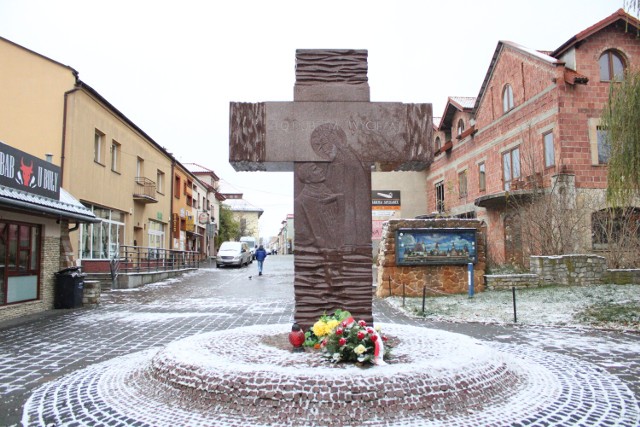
(543, 102)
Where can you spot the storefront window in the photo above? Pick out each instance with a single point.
(156, 234)
(102, 240)
(19, 262)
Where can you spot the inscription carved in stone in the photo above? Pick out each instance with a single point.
(331, 137)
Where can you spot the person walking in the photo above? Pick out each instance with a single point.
(261, 254)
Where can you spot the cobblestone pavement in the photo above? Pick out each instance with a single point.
(37, 351)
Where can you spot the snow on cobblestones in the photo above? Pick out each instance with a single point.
(552, 389)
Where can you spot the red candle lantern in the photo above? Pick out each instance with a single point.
(296, 337)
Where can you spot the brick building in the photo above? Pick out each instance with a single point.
(532, 129)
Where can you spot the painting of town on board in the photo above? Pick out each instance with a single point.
(436, 246)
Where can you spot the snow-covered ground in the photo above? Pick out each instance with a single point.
(553, 306)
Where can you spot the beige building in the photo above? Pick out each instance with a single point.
(246, 214)
(208, 213)
(107, 162)
(128, 186)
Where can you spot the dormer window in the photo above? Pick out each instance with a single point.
(507, 99)
(460, 126)
(611, 66)
(438, 143)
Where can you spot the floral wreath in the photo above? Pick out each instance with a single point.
(341, 339)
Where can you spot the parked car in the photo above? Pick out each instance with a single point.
(234, 253)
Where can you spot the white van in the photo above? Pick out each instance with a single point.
(251, 242)
(233, 253)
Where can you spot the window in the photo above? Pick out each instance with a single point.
(611, 66)
(440, 197)
(438, 143)
(20, 267)
(507, 99)
(160, 182)
(482, 178)
(140, 167)
(176, 187)
(460, 126)
(98, 146)
(156, 234)
(549, 150)
(115, 156)
(620, 226)
(102, 240)
(462, 184)
(511, 167)
(604, 149)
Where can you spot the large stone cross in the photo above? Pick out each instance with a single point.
(331, 136)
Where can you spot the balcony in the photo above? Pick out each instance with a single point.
(144, 190)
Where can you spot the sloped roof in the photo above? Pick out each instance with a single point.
(619, 15)
(66, 207)
(502, 44)
(455, 103)
(241, 205)
(197, 169)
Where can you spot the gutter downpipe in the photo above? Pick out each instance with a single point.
(171, 218)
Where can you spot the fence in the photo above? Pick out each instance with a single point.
(138, 259)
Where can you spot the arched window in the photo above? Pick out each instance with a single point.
(611, 66)
(460, 126)
(438, 143)
(507, 99)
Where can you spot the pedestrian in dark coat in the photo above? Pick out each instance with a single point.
(261, 255)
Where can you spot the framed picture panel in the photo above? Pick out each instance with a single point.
(433, 246)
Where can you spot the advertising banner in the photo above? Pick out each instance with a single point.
(28, 173)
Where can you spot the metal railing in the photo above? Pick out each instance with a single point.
(144, 187)
(139, 259)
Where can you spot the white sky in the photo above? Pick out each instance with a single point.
(172, 67)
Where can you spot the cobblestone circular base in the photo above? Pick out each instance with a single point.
(231, 378)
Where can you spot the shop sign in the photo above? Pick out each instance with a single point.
(385, 200)
(191, 226)
(203, 217)
(28, 173)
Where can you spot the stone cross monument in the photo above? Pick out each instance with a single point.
(331, 136)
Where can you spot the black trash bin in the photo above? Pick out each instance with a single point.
(69, 288)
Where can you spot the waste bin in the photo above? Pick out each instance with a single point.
(69, 288)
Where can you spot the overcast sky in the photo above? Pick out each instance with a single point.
(172, 67)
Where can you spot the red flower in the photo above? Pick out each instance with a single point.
(339, 331)
(361, 335)
(370, 331)
(344, 324)
(362, 323)
(384, 338)
(342, 342)
(374, 338)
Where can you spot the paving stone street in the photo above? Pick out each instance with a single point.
(38, 353)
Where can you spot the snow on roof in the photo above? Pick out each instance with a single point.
(464, 101)
(535, 53)
(242, 205)
(67, 205)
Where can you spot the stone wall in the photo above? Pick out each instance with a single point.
(438, 279)
(567, 270)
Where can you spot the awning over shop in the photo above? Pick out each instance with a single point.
(500, 200)
(67, 207)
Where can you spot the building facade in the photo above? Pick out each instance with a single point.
(531, 140)
(36, 215)
(106, 162)
(208, 213)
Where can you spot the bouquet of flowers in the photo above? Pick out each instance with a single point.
(323, 327)
(342, 339)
